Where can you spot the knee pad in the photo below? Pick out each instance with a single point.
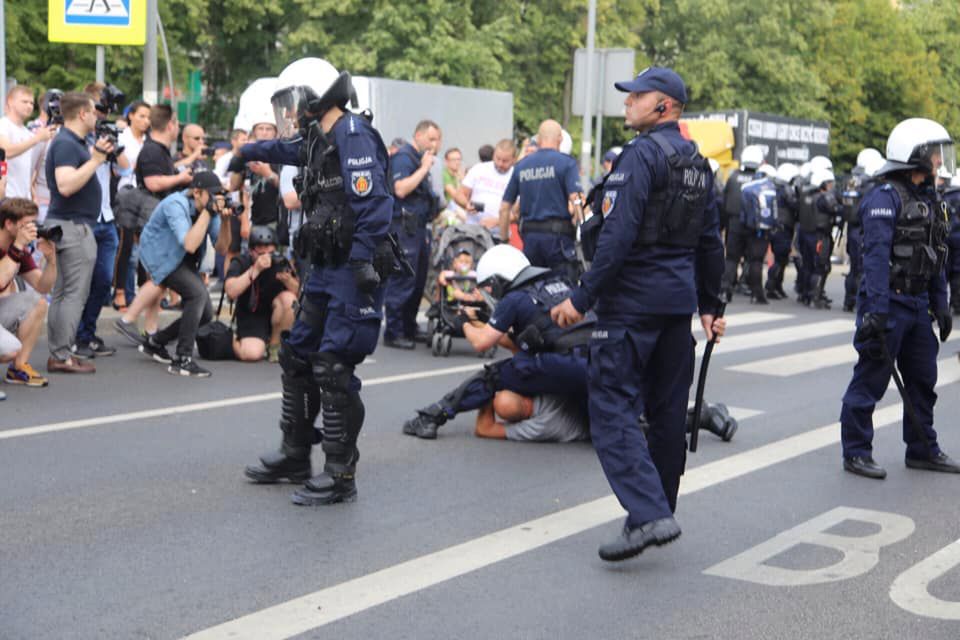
(291, 363)
(331, 373)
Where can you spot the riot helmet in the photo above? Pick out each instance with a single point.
(805, 171)
(820, 177)
(261, 234)
(751, 157)
(767, 170)
(787, 172)
(503, 267)
(921, 144)
(820, 162)
(306, 89)
(868, 157)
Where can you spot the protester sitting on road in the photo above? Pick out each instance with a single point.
(172, 246)
(264, 286)
(543, 418)
(22, 312)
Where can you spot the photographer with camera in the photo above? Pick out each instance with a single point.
(18, 142)
(75, 201)
(171, 249)
(264, 286)
(22, 312)
(193, 150)
(88, 344)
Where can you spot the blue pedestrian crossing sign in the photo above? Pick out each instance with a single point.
(118, 22)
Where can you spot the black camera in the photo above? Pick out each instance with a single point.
(277, 261)
(53, 234)
(111, 99)
(109, 130)
(52, 100)
(478, 206)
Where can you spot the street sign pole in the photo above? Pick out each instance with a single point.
(101, 64)
(150, 94)
(588, 96)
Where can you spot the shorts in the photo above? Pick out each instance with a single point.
(14, 308)
(253, 325)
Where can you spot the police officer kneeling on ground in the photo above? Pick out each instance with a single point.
(343, 188)
(903, 290)
(549, 359)
(658, 258)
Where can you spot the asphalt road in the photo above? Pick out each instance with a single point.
(125, 513)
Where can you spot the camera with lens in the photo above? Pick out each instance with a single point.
(52, 99)
(279, 262)
(111, 101)
(53, 234)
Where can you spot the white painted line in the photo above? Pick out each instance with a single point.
(732, 342)
(911, 589)
(739, 413)
(805, 362)
(215, 404)
(322, 607)
(745, 319)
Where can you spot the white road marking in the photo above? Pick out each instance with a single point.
(746, 319)
(795, 333)
(215, 404)
(911, 589)
(805, 362)
(322, 607)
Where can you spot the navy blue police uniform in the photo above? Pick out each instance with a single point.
(348, 206)
(549, 360)
(411, 215)
(658, 259)
(806, 240)
(781, 238)
(951, 197)
(903, 282)
(857, 187)
(736, 235)
(544, 181)
(758, 214)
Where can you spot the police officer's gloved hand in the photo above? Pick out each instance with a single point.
(873, 326)
(945, 322)
(364, 276)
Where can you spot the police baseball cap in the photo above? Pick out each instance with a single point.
(661, 79)
(207, 180)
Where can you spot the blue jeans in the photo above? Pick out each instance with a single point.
(105, 233)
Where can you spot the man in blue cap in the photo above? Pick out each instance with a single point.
(658, 259)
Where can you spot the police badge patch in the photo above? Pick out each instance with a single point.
(361, 182)
(609, 199)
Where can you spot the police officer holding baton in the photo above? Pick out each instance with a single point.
(658, 259)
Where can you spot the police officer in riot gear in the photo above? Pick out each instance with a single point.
(758, 215)
(345, 195)
(856, 186)
(903, 291)
(781, 238)
(548, 185)
(658, 259)
(415, 205)
(549, 359)
(820, 211)
(736, 241)
(951, 198)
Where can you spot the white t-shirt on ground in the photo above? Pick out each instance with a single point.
(487, 186)
(554, 419)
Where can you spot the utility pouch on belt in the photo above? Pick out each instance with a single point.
(409, 221)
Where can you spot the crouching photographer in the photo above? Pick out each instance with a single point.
(264, 287)
(171, 250)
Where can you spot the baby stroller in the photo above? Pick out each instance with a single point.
(442, 322)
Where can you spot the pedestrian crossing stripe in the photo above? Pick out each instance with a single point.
(773, 337)
(98, 12)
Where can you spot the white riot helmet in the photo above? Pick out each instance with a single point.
(919, 143)
(820, 162)
(504, 267)
(767, 170)
(873, 166)
(819, 177)
(787, 172)
(306, 89)
(805, 170)
(566, 142)
(751, 157)
(868, 157)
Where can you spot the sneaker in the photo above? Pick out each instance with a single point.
(129, 331)
(150, 347)
(100, 349)
(82, 352)
(25, 375)
(187, 367)
(273, 353)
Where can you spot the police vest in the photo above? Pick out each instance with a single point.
(541, 333)
(759, 210)
(919, 248)
(827, 209)
(807, 209)
(951, 198)
(787, 207)
(731, 203)
(854, 188)
(675, 214)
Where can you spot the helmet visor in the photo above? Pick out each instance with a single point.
(938, 157)
(288, 105)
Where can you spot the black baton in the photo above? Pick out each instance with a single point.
(702, 382)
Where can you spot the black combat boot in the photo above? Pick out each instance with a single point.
(426, 422)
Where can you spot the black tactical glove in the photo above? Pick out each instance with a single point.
(945, 322)
(364, 276)
(872, 327)
(457, 322)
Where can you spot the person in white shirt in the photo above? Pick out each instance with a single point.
(132, 139)
(482, 189)
(18, 142)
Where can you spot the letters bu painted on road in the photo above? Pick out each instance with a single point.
(108, 22)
